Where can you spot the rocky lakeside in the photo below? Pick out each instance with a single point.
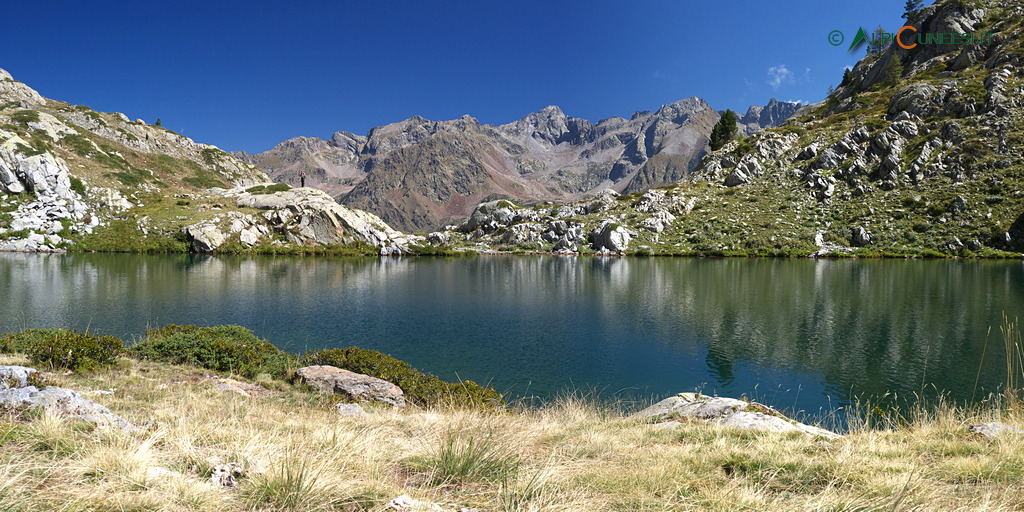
(135, 430)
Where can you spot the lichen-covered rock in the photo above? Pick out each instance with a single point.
(727, 412)
(330, 379)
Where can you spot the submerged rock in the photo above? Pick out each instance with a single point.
(728, 412)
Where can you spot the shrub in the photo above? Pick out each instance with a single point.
(18, 343)
(420, 388)
(64, 348)
(77, 185)
(223, 348)
(263, 189)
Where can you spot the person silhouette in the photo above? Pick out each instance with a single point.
(302, 178)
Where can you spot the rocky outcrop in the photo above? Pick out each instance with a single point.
(22, 389)
(304, 217)
(329, 379)
(727, 412)
(46, 179)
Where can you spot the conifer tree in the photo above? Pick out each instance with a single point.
(724, 130)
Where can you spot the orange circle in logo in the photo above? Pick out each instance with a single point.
(899, 42)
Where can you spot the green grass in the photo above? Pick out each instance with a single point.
(25, 116)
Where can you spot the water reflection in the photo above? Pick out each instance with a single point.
(789, 331)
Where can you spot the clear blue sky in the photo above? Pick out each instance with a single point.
(249, 75)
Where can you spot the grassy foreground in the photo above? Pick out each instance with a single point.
(571, 455)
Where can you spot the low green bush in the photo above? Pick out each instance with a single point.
(222, 348)
(263, 189)
(18, 343)
(420, 388)
(77, 185)
(64, 348)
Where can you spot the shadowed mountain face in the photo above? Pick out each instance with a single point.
(419, 174)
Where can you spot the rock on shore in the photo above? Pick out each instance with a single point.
(726, 411)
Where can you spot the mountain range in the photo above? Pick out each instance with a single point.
(419, 175)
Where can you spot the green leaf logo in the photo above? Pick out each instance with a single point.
(858, 40)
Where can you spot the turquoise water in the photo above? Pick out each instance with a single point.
(802, 335)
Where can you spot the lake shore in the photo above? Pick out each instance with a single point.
(294, 451)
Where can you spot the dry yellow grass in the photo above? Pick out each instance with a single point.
(299, 454)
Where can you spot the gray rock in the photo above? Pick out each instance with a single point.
(994, 429)
(329, 379)
(354, 410)
(223, 476)
(612, 237)
(916, 99)
(489, 216)
(745, 171)
(17, 395)
(205, 236)
(727, 412)
(860, 236)
(13, 377)
(959, 204)
(658, 221)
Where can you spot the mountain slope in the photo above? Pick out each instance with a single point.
(918, 152)
(546, 156)
(73, 178)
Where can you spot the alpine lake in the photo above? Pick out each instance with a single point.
(811, 337)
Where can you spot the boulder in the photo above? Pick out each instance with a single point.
(917, 100)
(329, 379)
(745, 171)
(727, 412)
(19, 392)
(860, 236)
(611, 237)
(205, 236)
(489, 216)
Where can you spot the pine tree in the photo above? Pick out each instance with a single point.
(724, 130)
(847, 77)
(876, 45)
(911, 7)
(893, 71)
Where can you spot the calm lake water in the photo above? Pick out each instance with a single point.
(802, 335)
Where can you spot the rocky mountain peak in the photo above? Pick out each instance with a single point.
(677, 111)
(346, 141)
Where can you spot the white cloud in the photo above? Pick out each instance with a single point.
(777, 75)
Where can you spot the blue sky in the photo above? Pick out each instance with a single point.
(249, 75)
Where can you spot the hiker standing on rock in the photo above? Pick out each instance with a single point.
(302, 178)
